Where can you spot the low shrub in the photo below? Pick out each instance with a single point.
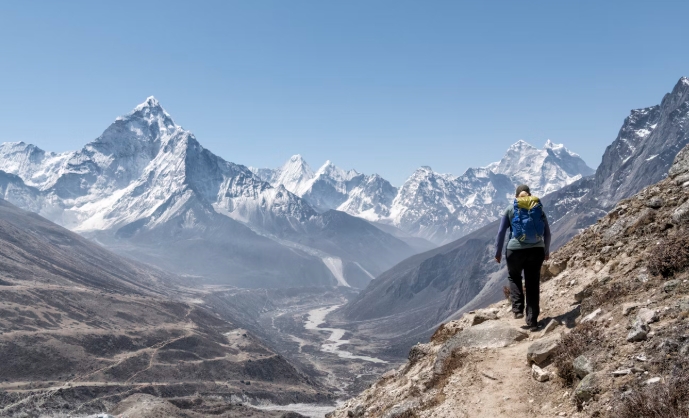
(507, 292)
(671, 256)
(580, 340)
(601, 295)
(669, 399)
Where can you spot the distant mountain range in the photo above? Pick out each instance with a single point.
(406, 303)
(147, 188)
(436, 207)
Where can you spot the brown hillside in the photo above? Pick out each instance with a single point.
(614, 339)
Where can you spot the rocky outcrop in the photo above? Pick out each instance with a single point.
(603, 291)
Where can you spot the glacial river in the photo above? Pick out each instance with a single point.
(332, 345)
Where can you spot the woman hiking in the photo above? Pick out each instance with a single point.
(527, 248)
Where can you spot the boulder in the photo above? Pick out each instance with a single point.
(418, 352)
(680, 164)
(592, 315)
(639, 332)
(539, 374)
(621, 372)
(627, 308)
(484, 315)
(583, 294)
(491, 334)
(582, 366)
(404, 410)
(683, 304)
(550, 327)
(655, 202)
(670, 285)
(556, 267)
(540, 351)
(646, 316)
(681, 214)
(588, 387)
(357, 412)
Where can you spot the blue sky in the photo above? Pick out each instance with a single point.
(380, 86)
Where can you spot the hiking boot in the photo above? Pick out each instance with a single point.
(518, 315)
(532, 328)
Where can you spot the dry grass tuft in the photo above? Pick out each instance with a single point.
(668, 399)
(670, 256)
(506, 291)
(581, 340)
(601, 295)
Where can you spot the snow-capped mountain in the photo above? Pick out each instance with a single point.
(429, 205)
(331, 187)
(146, 187)
(544, 170)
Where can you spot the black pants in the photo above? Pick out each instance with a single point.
(529, 260)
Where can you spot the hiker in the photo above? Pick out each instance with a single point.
(527, 248)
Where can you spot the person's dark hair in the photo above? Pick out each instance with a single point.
(522, 188)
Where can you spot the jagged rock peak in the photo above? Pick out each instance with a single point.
(150, 110)
(521, 145)
(423, 170)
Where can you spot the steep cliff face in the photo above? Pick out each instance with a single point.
(613, 337)
(641, 155)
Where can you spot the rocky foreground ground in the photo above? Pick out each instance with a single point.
(613, 338)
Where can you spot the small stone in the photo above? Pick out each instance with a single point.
(652, 380)
(389, 374)
(583, 294)
(482, 316)
(550, 326)
(539, 374)
(592, 315)
(418, 352)
(588, 387)
(489, 376)
(641, 358)
(670, 285)
(681, 214)
(639, 332)
(582, 366)
(654, 202)
(628, 307)
(541, 350)
(605, 279)
(646, 316)
(621, 372)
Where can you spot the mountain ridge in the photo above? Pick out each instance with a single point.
(145, 172)
(432, 206)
